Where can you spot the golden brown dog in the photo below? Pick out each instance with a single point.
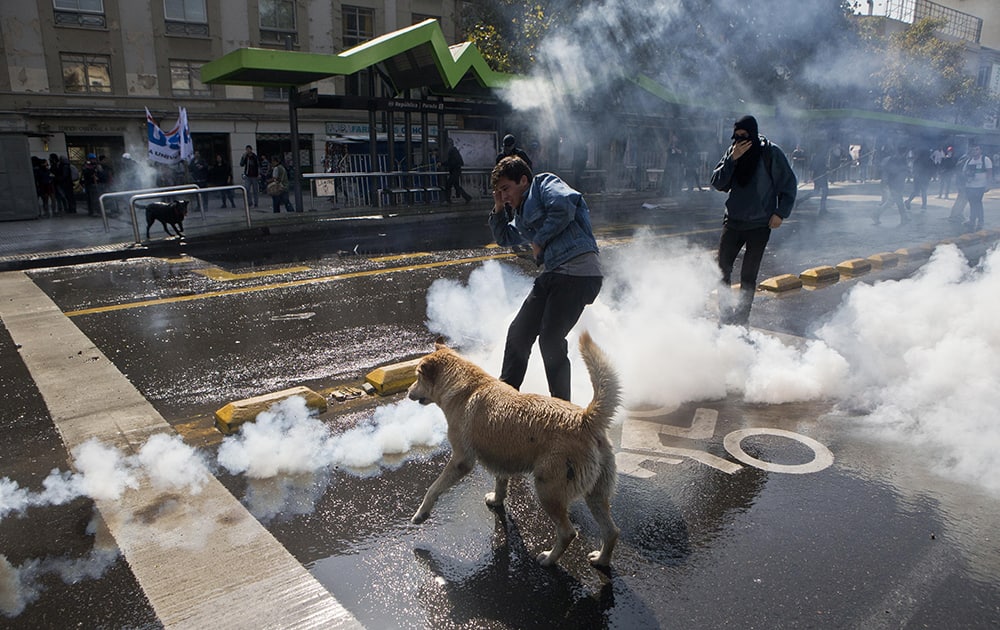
(564, 447)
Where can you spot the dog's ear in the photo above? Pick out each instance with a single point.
(439, 343)
(428, 368)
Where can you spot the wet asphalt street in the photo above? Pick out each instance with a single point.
(791, 511)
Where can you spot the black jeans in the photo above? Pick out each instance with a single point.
(548, 313)
(730, 244)
(282, 200)
(454, 181)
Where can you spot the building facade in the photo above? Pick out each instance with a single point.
(78, 75)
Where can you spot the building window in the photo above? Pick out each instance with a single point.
(276, 93)
(87, 13)
(185, 79)
(86, 74)
(185, 17)
(277, 21)
(359, 27)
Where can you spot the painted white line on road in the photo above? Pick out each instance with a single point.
(202, 559)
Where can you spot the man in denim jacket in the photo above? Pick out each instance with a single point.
(761, 187)
(547, 213)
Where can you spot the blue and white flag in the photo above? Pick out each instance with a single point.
(172, 146)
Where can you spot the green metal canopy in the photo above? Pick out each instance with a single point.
(412, 57)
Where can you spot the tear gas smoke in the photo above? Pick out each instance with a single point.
(22, 585)
(104, 473)
(650, 323)
(724, 53)
(925, 357)
(920, 356)
(289, 440)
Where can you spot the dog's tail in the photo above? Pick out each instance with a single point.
(604, 379)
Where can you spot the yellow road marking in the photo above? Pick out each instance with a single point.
(281, 285)
(400, 257)
(215, 273)
(323, 279)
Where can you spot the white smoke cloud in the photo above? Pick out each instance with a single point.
(288, 439)
(925, 357)
(104, 473)
(920, 357)
(656, 321)
(22, 585)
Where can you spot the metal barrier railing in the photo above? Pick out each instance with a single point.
(127, 193)
(394, 187)
(178, 193)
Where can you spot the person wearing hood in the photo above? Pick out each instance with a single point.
(510, 148)
(761, 186)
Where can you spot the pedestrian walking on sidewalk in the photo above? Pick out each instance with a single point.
(251, 175)
(88, 179)
(762, 188)
(893, 179)
(978, 175)
(821, 179)
(923, 171)
(453, 163)
(220, 174)
(277, 186)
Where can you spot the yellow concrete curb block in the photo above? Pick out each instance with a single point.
(919, 251)
(393, 378)
(229, 418)
(854, 267)
(784, 282)
(883, 260)
(820, 275)
(974, 237)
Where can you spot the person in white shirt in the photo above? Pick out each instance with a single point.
(978, 173)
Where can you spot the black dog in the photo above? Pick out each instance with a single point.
(167, 212)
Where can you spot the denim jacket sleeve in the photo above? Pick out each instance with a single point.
(550, 207)
(504, 232)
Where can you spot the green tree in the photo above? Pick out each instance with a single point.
(924, 75)
(507, 32)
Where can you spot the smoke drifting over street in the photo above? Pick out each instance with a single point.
(917, 357)
(925, 357)
(288, 440)
(717, 53)
(103, 473)
(912, 361)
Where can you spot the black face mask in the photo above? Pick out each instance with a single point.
(746, 166)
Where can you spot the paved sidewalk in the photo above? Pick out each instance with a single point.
(72, 238)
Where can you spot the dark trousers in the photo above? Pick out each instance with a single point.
(548, 313)
(70, 195)
(282, 200)
(730, 244)
(975, 196)
(822, 188)
(920, 185)
(454, 181)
